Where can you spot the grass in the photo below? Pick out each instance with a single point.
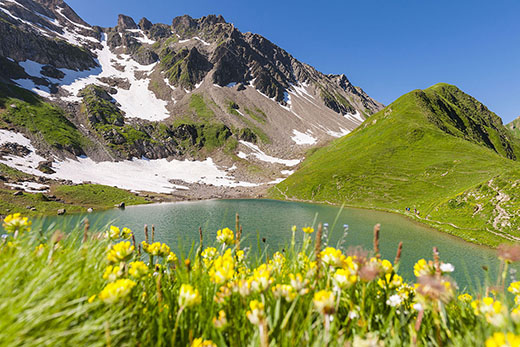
(60, 289)
(96, 195)
(417, 154)
(199, 107)
(39, 118)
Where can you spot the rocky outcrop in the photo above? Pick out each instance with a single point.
(125, 22)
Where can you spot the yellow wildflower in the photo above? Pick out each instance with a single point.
(221, 321)
(240, 256)
(156, 249)
(500, 339)
(38, 250)
(391, 281)
(491, 309)
(256, 314)
(299, 283)
(120, 252)
(172, 258)
(188, 296)
(203, 343)
(515, 314)
(126, 233)
(14, 223)
(208, 255)
(465, 297)
(261, 278)
(514, 288)
(423, 268)
(138, 269)
(112, 273)
(226, 236)
(285, 291)
(117, 290)
(324, 301)
(333, 257)
(223, 268)
(344, 278)
(387, 266)
(308, 230)
(91, 299)
(277, 261)
(113, 233)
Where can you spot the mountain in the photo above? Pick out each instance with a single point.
(438, 150)
(197, 95)
(514, 127)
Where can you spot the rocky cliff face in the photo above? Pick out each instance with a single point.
(192, 88)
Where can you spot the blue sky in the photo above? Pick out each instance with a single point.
(386, 47)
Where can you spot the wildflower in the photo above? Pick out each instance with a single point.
(208, 255)
(391, 281)
(120, 252)
(221, 321)
(203, 343)
(172, 258)
(387, 266)
(299, 284)
(38, 250)
(223, 268)
(112, 273)
(465, 297)
(117, 290)
(491, 309)
(433, 288)
(515, 314)
(514, 288)
(15, 223)
(344, 278)
(500, 339)
(324, 301)
(91, 299)
(418, 306)
(278, 261)
(371, 339)
(447, 267)
(225, 236)
(308, 230)
(112, 233)
(240, 255)
(126, 233)
(285, 291)
(394, 301)
(188, 296)
(222, 294)
(423, 268)
(261, 278)
(332, 257)
(156, 249)
(256, 315)
(138, 269)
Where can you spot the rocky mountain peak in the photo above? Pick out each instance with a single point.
(125, 23)
(145, 24)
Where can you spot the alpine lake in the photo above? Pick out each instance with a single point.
(267, 228)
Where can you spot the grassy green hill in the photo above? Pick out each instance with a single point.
(514, 127)
(438, 150)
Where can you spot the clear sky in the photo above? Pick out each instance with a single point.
(387, 47)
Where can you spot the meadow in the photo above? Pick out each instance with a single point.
(101, 288)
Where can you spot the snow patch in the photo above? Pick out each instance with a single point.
(30, 187)
(342, 132)
(303, 138)
(201, 40)
(260, 155)
(355, 117)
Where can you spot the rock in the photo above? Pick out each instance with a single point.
(145, 24)
(61, 211)
(51, 71)
(121, 205)
(33, 208)
(28, 207)
(11, 148)
(248, 135)
(13, 106)
(18, 193)
(89, 210)
(125, 22)
(46, 167)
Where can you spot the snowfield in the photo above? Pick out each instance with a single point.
(260, 155)
(303, 138)
(135, 175)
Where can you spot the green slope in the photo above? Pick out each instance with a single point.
(514, 127)
(431, 149)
